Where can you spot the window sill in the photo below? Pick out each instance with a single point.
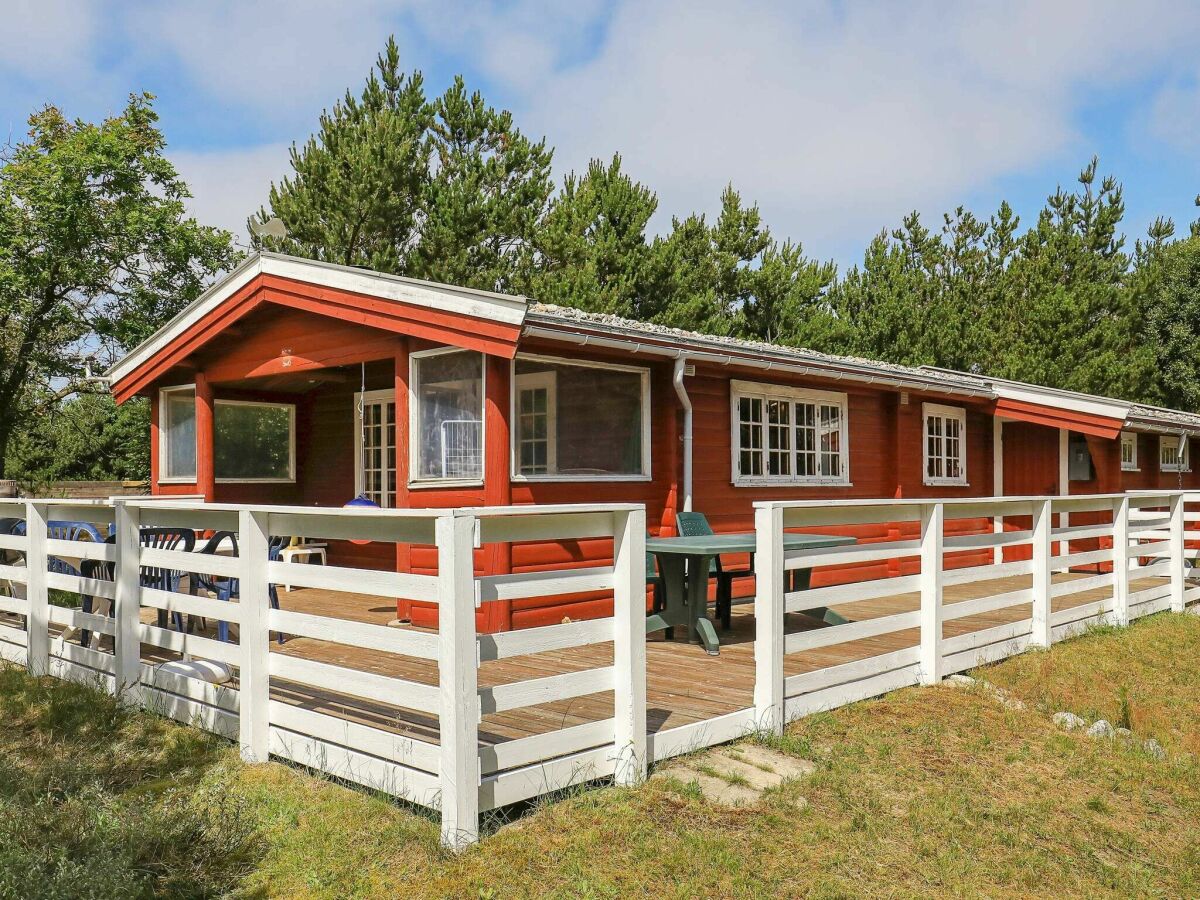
(770, 483)
(1130, 469)
(255, 480)
(444, 484)
(576, 479)
(189, 480)
(946, 483)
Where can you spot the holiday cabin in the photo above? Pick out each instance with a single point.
(304, 383)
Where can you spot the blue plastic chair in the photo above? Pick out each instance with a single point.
(63, 531)
(226, 589)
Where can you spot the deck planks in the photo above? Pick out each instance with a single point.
(684, 684)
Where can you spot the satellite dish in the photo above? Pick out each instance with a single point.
(273, 227)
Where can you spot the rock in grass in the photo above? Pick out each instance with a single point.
(1124, 733)
(1069, 721)
(1155, 749)
(1101, 728)
(960, 680)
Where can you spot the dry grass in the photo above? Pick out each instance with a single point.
(1154, 664)
(934, 792)
(928, 792)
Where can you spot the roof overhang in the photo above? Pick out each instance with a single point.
(473, 319)
(703, 349)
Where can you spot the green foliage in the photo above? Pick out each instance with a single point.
(85, 438)
(1167, 293)
(99, 801)
(96, 252)
(1052, 306)
(591, 250)
(448, 190)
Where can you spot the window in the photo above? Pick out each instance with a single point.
(579, 421)
(1129, 442)
(375, 446)
(446, 415)
(945, 449)
(785, 435)
(254, 441)
(177, 434)
(1173, 453)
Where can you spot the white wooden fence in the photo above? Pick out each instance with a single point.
(454, 771)
(457, 774)
(1124, 529)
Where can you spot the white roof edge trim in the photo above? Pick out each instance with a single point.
(446, 298)
(1023, 391)
(818, 369)
(218, 293)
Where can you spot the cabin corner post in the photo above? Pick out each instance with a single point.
(933, 520)
(1177, 552)
(458, 680)
(768, 619)
(254, 605)
(629, 645)
(127, 639)
(1120, 563)
(206, 479)
(37, 592)
(1043, 531)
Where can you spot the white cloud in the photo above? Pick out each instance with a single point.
(839, 118)
(1174, 115)
(228, 185)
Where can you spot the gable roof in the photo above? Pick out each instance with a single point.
(477, 319)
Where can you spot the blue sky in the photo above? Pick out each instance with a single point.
(835, 118)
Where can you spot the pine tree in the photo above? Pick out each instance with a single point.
(356, 193)
(591, 250)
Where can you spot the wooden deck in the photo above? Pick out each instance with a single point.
(684, 684)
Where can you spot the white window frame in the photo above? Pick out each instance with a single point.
(767, 392)
(414, 431)
(957, 413)
(290, 478)
(361, 399)
(1129, 439)
(1181, 442)
(162, 437)
(513, 412)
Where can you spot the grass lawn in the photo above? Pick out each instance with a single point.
(927, 792)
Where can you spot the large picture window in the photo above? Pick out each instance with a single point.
(254, 441)
(446, 409)
(784, 435)
(945, 450)
(375, 442)
(579, 421)
(177, 434)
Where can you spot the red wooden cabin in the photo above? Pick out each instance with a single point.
(304, 383)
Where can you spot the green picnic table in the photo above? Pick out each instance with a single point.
(686, 598)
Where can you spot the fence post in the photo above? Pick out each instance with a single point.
(1121, 561)
(37, 629)
(127, 640)
(629, 645)
(254, 636)
(768, 619)
(933, 518)
(458, 680)
(1043, 530)
(1177, 553)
